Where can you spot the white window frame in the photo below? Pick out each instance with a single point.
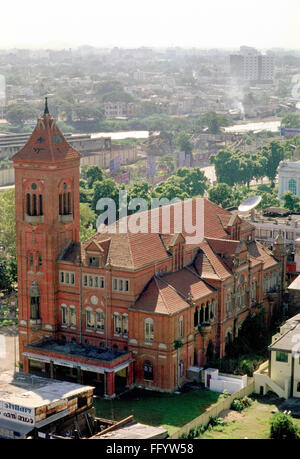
(119, 284)
(93, 281)
(149, 330)
(64, 275)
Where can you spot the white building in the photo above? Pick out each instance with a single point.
(251, 65)
(289, 177)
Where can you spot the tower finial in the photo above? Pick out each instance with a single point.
(46, 111)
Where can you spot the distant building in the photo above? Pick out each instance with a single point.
(250, 65)
(283, 375)
(288, 177)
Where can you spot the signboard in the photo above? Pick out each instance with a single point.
(123, 178)
(16, 413)
(289, 132)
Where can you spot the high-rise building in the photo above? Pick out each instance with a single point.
(251, 65)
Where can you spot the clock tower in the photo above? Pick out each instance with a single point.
(47, 221)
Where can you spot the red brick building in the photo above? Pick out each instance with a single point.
(124, 309)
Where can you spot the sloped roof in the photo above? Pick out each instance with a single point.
(213, 264)
(46, 144)
(259, 254)
(169, 294)
(160, 298)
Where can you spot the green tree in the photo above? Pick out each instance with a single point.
(5, 281)
(18, 114)
(291, 201)
(226, 167)
(87, 221)
(193, 181)
(93, 174)
(291, 120)
(170, 189)
(221, 194)
(282, 427)
(274, 153)
(108, 188)
(8, 222)
(183, 142)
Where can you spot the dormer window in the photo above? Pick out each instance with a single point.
(94, 261)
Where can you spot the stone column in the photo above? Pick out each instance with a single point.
(110, 384)
(129, 374)
(51, 369)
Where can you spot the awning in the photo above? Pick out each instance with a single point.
(52, 418)
(72, 364)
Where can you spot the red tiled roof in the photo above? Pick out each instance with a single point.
(223, 246)
(169, 294)
(259, 254)
(46, 144)
(213, 265)
(160, 298)
(187, 281)
(129, 250)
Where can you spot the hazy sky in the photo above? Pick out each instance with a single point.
(133, 23)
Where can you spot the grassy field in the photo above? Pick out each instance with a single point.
(253, 423)
(171, 411)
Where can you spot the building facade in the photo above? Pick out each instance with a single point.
(289, 177)
(128, 308)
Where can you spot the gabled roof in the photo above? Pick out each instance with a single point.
(46, 143)
(258, 254)
(160, 298)
(223, 246)
(169, 294)
(210, 265)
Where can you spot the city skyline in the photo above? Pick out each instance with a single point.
(227, 25)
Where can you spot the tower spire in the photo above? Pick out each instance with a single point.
(46, 111)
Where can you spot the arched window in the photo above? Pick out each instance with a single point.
(293, 186)
(65, 199)
(117, 323)
(34, 199)
(28, 204)
(148, 371)
(243, 297)
(31, 259)
(212, 309)
(89, 318)
(100, 320)
(72, 316)
(207, 311)
(64, 315)
(149, 330)
(196, 317)
(125, 324)
(202, 314)
(34, 295)
(181, 368)
(181, 327)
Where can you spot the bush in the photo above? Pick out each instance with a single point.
(239, 404)
(283, 427)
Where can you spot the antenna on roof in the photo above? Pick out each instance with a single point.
(46, 111)
(249, 204)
